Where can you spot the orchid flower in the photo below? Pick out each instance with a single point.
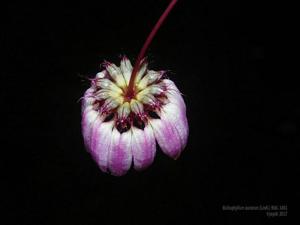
(128, 109)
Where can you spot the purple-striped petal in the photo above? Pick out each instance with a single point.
(171, 131)
(167, 137)
(101, 142)
(176, 111)
(143, 147)
(88, 118)
(120, 156)
(177, 117)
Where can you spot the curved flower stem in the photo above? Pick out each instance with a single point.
(130, 89)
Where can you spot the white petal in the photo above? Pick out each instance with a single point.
(142, 71)
(150, 77)
(116, 74)
(136, 107)
(111, 103)
(124, 110)
(109, 85)
(126, 69)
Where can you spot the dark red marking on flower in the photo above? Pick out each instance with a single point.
(153, 115)
(123, 125)
(109, 117)
(129, 96)
(137, 122)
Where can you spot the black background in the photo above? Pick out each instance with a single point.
(241, 126)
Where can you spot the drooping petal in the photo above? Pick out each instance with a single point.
(101, 143)
(175, 110)
(172, 129)
(177, 117)
(89, 116)
(143, 147)
(120, 156)
(167, 137)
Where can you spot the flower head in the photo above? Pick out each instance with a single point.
(121, 125)
(126, 110)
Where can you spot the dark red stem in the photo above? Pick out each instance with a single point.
(130, 89)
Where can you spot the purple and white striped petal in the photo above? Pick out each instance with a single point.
(120, 156)
(89, 116)
(177, 117)
(167, 137)
(101, 142)
(171, 130)
(143, 147)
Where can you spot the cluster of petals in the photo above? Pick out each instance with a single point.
(118, 131)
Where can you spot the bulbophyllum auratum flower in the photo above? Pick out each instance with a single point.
(128, 109)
